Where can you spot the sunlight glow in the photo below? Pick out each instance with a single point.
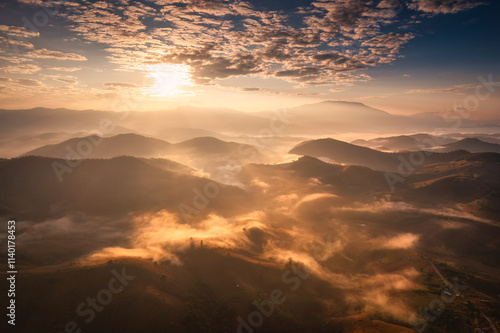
(168, 79)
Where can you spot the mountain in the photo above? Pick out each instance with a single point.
(331, 117)
(345, 153)
(472, 145)
(98, 147)
(53, 120)
(150, 123)
(138, 146)
(491, 138)
(334, 117)
(176, 134)
(335, 151)
(220, 159)
(365, 248)
(404, 142)
(339, 112)
(160, 295)
(38, 187)
(350, 179)
(209, 145)
(175, 125)
(320, 119)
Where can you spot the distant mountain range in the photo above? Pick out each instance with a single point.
(472, 145)
(136, 145)
(404, 142)
(212, 154)
(218, 158)
(455, 141)
(326, 119)
(95, 146)
(339, 152)
(207, 209)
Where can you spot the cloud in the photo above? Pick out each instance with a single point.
(342, 14)
(388, 43)
(120, 85)
(403, 241)
(63, 78)
(310, 45)
(335, 58)
(12, 60)
(454, 89)
(65, 69)
(47, 54)
(222, 39)
(300, 72)
(28, 82)
(22, 82)
(384, 206)
(380, 292)
(162, 235)
(275, 92)
(18, 31)
(390, 4)
(457, 89)
(22, 69)
(16, 42)
(251, 89)
(444, 6)
(48, 241)
(33, 2)
(336, 90)
(257, 235)
(314, 197)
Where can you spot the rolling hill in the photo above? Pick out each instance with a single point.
(98, 147)
(39, 187)
(472, 145)
(340, 152)
(345, 153)
(325, 119)
(262, 232)
(404, 142)
(138, 146)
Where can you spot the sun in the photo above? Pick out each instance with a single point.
(168, 79)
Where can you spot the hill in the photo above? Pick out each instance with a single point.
(404, 142)
(138, 146)
(184, 123)
(340, 152)
(345, 153)
(30, 187)
(472, 145)
(98, 147)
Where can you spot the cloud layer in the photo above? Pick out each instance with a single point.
(310, 45)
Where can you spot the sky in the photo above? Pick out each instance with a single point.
(403, 57)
